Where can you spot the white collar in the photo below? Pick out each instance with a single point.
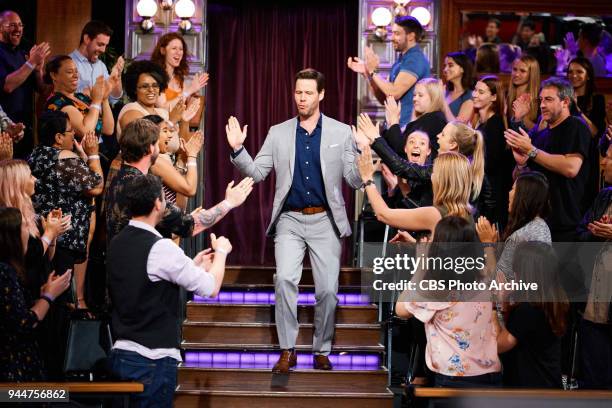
(144, 226)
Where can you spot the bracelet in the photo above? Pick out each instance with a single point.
(29, 65)
(45, 240)
(47, 298)
(192, 164)
(489, 244)
(367, 183)
(96, 106)
(93, 157)
(192, 157)
(221, 251)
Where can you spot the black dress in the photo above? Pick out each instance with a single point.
(499, 164)
(19, 352)
(37, 265)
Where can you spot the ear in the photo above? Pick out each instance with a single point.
(86, 39)
(59, 137)
(321, 95)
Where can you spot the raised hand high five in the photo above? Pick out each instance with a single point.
(235, 136)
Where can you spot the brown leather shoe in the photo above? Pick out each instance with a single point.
(286, 360)
(321, 362)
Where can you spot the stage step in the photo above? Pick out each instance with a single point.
(264, 275)
(246, 396)
(231, 345)
(234, 334)
(236, 313)
(369, 381)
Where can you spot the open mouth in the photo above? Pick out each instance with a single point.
(415, 154)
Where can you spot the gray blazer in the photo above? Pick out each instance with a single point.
(338, 151)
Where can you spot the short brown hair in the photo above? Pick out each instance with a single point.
(137, 138)
(310, 73)
(94, 28)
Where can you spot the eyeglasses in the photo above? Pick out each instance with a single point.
(146, 87)
(13, 26)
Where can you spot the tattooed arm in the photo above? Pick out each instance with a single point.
(204, 219)
(234, 197)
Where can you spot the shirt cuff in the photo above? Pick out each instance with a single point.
(237, 152)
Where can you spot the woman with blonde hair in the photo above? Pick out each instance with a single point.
(489, 104)
(523, 91)
(451, 182)
(16, 190)
(430, 114)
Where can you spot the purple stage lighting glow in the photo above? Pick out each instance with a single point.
(267, 298)
(265, 360)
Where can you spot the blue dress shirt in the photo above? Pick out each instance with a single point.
(307, 188)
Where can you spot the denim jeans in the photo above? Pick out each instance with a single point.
(158, 377)
(476, 381)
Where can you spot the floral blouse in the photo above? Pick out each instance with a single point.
(61, 183)
(461, 339)
(19, 352)
(58, 100)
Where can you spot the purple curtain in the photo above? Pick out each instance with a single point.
(255, 50)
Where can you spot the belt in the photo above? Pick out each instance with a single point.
(309, 210)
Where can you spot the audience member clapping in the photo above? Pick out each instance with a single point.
(87, 113)
(461, 337)
(20, 314)
(65, 181)
(171, 53)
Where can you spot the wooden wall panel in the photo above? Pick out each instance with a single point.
(60, 22)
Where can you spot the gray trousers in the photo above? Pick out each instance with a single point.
(296, 232)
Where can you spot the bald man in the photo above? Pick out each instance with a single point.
(20, 75)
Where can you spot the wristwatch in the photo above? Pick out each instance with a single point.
(533, 153)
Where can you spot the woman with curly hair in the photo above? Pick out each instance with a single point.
(170, 53)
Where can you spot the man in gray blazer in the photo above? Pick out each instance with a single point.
(310, 155)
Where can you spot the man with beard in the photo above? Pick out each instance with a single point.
(410, 66)
(20, 75)
(560, 151)
(310, 153)
(94, 40)
(139, 150)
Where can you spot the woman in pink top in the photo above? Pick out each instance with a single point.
(461, 338)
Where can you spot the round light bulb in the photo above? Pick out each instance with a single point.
(402, 3)
(381, 17)
(184, 8)
(146, 8)
(421, 14)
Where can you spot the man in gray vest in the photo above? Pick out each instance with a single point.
(145, 272)
(310, 154)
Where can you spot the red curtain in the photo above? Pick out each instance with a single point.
(255, 50)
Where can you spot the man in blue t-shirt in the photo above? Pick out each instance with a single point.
(410, 66)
